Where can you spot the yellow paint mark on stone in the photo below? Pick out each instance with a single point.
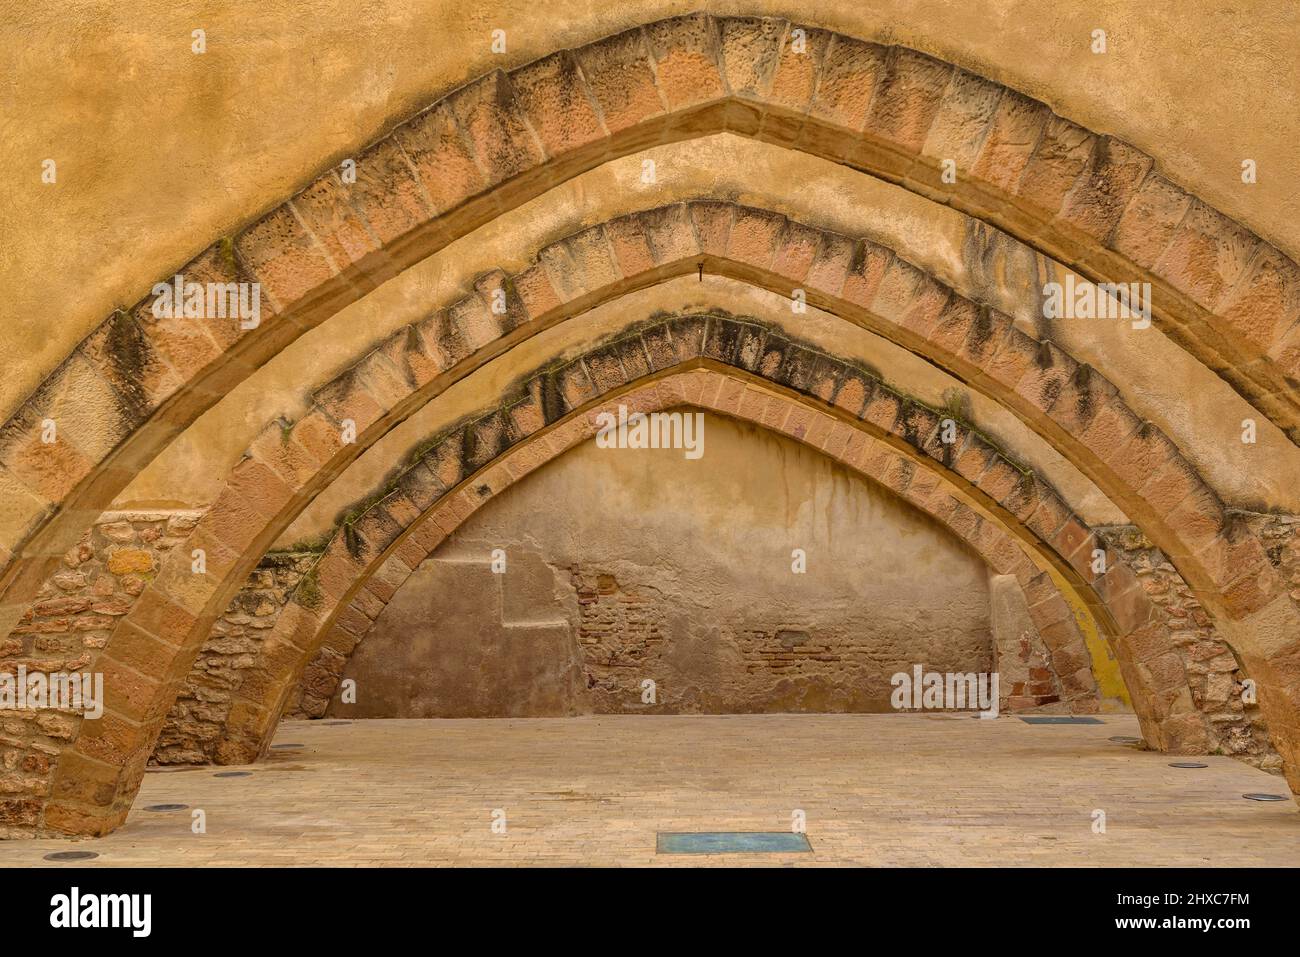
(1105, 667)
(126, 561)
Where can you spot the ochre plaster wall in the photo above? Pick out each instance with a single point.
(713, 613)
(168, 150)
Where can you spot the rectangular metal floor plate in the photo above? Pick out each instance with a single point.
(731, 842)
(1060, 719)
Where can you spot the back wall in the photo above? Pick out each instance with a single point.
(627, 565)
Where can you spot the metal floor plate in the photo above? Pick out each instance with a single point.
(731, 842)
(1060, 719)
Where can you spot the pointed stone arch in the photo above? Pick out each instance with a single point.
(1072, 406)
(459, 470)
(1231, 299)
(380, 572)
(95, 778)
(1044, 386)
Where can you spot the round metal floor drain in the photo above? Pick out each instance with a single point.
(1188, 764)
(166, 807)
(233, 774)
(1125, 739)
(1264, 797)
(71, 856)
(284, 747)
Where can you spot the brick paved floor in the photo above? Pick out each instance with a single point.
(876, 789)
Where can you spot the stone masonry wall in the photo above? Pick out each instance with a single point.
(1213, 671)
(96, 583)
(627, 632)
(196, 721)
(1280, 535)
(100, 579)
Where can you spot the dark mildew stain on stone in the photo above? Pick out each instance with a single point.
(1084, 406)
(981, 330)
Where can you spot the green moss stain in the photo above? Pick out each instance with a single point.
(308, 593)
(226, 253)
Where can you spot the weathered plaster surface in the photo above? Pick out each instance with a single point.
(171, 149)
(713, 614)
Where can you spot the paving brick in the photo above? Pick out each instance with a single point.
(369, 762)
